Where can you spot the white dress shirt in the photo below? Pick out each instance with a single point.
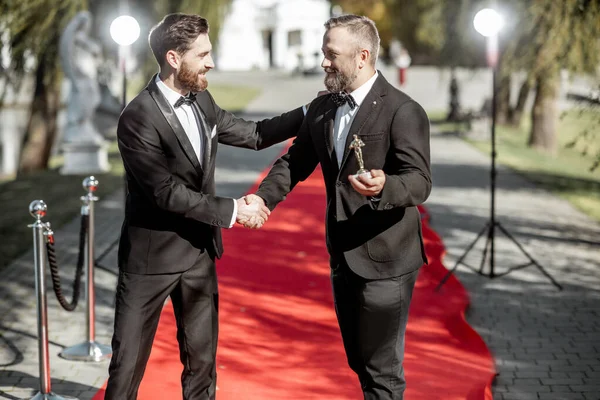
(186, 118)
(344, 117)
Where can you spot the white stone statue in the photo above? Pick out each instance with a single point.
(84, 148)
(80, 59)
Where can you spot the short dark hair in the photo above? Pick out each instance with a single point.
(362, 28)
(175, 32)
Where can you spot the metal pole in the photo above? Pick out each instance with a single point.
(124, 71)
(90, 184)
(38, 209)
(492, 58)
(493, 173)
(123, 55)
(89, 350)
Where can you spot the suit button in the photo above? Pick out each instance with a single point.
(388, 206)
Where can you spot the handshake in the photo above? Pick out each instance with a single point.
(252, 212)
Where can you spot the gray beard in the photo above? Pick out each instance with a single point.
(339, 82)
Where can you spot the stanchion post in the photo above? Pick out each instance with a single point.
(38, 209)
(89, 350)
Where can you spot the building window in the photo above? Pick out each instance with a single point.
(294, 38)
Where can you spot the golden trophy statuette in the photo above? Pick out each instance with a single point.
(357, 145)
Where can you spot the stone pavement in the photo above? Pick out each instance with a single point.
(546, 342)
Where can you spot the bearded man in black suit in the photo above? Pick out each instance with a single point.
(168, 138)
(373, 226)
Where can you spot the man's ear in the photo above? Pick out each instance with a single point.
(364, 57)
(173, 59)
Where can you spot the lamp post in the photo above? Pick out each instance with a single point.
(124, 30)
(489, 23)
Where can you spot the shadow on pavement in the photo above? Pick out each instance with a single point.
(26, 381)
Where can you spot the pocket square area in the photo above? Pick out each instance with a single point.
(213, 132)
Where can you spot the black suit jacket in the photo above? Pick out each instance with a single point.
(172, 212)
(378, 239)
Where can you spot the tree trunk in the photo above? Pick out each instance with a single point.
(517, 112)
(41, 129)
(503, 100)
(545, 114)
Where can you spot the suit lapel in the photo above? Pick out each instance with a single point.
(169, 114)
(207, 124)
(329, 122)
(366, 114)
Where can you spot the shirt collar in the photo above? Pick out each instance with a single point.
(360, 94)
(171, 95)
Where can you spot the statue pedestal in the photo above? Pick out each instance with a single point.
(83, 158)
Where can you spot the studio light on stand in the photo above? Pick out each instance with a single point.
(489, 23)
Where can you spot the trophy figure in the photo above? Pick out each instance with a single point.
(357, 145)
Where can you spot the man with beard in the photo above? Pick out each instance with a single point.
(373, 225)
(168, 138)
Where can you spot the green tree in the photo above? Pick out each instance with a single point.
(554, 36)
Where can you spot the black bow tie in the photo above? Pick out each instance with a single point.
(342, 98)
(189, 99)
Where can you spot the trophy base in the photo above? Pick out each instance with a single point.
(363, 172)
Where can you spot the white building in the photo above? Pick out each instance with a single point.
(263, 34)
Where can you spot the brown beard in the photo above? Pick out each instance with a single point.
(339, 81)
(190, 79)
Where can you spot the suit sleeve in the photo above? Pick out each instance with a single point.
(408, 181)
(293, 167)
(238, 132)
(146, 163)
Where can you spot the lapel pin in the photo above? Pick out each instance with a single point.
(374, 102)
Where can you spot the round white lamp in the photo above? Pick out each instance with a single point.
(125, 30)
(488, 22)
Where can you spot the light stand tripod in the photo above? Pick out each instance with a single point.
(492, 224)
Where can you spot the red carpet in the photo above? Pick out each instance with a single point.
(279, 337)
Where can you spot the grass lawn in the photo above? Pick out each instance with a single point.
(233, 98)
(568, 173)
(62, 193)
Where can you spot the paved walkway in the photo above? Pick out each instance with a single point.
(546, 342)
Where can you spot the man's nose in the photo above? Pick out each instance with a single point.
(210, 64)
(325, 63)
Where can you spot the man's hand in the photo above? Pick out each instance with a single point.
(252, 212)
(368, 186)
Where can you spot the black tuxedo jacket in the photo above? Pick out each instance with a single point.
(378, 239)
(172, 212)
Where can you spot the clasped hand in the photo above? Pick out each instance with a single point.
(252, 212)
